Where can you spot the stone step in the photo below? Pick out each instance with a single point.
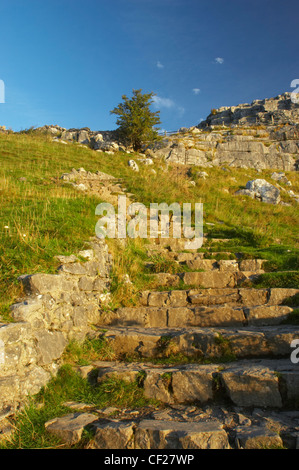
(209, 279)
(222, 265)
(195, 262)
(196, 315)
(179, 244)
(178, 427)
(185, 255)
(248, 383)
(189, 256)
(201, 344)
(158, 434)
(213, 296)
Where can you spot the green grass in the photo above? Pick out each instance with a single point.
(46, 217)
(288, 280)
(293, 318)
(292, 301)
(92, 349)
(30, 430)
(43, 217)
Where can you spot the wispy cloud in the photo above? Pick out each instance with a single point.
(219, 60)
(167, 103)
(163, 102)
(160, 65)
(196, 91)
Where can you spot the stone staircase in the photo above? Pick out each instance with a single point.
(217, 347)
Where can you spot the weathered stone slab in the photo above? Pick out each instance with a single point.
(204, 264)
(279, 339)
(252, 297)
(206, 316)
(27, 311)
(9, 389)
(207, 297)
(210, 279)
(193, 384)
(182, 257)
(252, 385)
(69, 428)
(289, 376)
(156, 434)
(125, 372)
(113, 435)
(252, 265)
(49, 345)
(266, 314)
(140, 316)
(158, 299)
(46, 283)
(246, 343)
(34, 379)
(157, 385)
(178, 298)
(278, 295)
(257, 437)
(164, 279)
(228, 265)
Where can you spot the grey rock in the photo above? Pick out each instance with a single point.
(69, 428)
(114, 435)
(264, 191)
(257, 437)
(151, 434)
(132, 164)
(50, 346)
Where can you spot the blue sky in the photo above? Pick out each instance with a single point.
(68, 62)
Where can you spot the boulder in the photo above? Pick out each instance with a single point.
(69, 428)
(257, 437)
(132, 164)
(262, 190)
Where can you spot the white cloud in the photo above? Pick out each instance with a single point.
(168, 104)
(163, 102)
(159, 65)
(196, 91)
(219, 60)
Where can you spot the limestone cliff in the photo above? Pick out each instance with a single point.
(263, 134)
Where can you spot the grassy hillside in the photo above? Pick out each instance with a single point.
(41, 216)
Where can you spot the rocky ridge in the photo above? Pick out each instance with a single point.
(260, 135)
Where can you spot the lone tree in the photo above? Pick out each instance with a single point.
(136, 121)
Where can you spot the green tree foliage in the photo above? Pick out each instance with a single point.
(136, 121)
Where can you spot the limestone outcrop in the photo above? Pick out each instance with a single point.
(105, 141)
(278, 110)
(260, 135)
(58, 308)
